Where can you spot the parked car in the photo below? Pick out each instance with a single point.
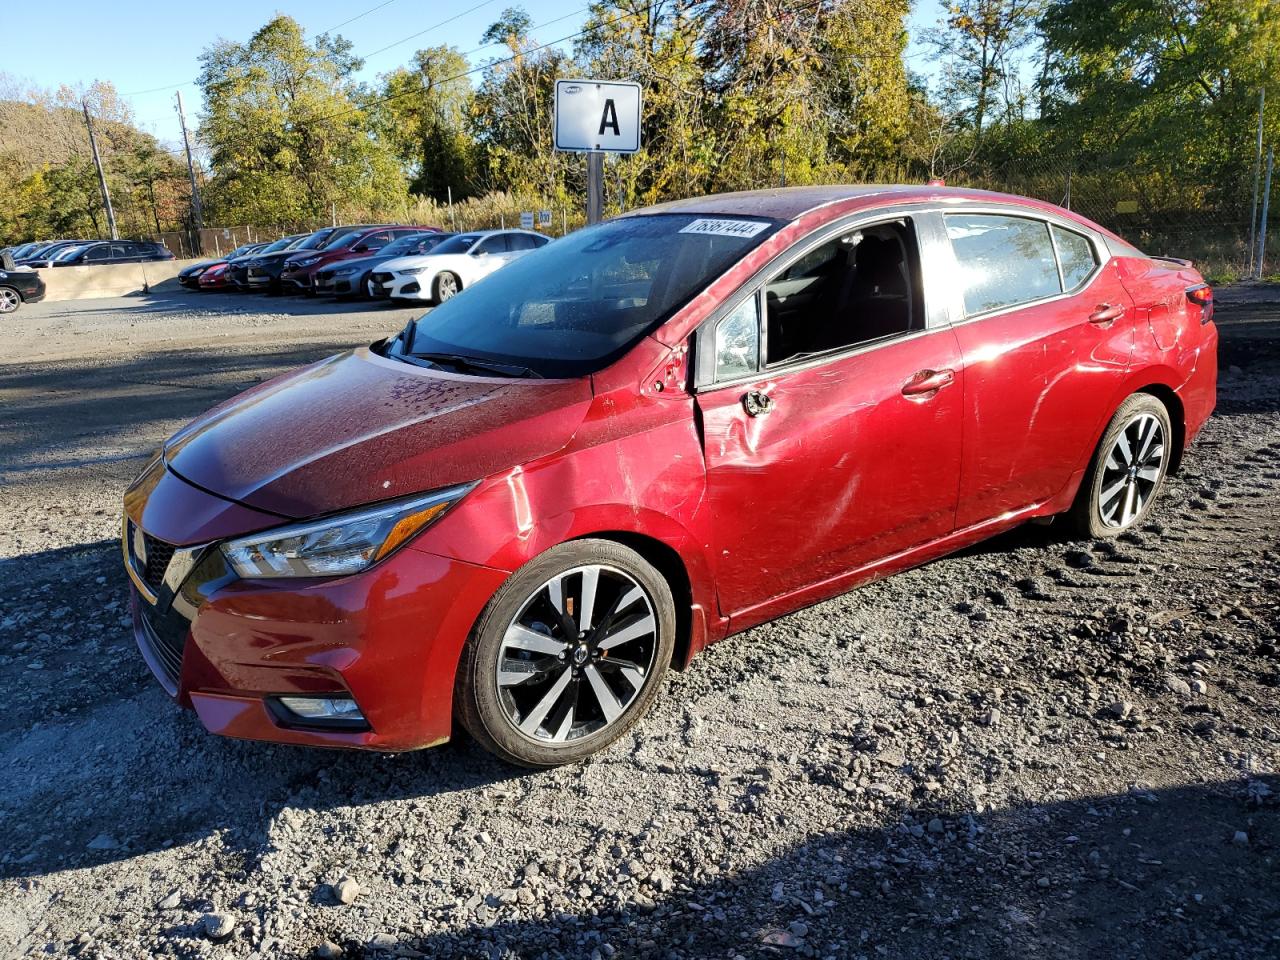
(190, 276)
(635, 441)
(108, 252)
(44, 254)
(299, 270)
(18, 286)
(350, 278)
(452, 266)
(24, 249)
(238, 272)
(263, 271)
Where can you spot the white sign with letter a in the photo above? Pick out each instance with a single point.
(597, 115)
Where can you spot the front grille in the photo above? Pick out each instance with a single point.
(164, 637)
(324, 275)
(159, 554)
(381, 277)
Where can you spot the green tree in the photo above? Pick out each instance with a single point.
(285, 133)
(422, 116)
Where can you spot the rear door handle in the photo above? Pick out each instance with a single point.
(1106, 313)
(926, 383)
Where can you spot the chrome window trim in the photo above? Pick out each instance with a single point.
(986, 208)
(934, 307)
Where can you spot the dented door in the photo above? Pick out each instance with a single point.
(821, 469)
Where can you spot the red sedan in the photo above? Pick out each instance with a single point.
(642, 438)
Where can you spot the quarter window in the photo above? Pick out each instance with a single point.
(738, 341)
(1003, 261)
(1075, 254)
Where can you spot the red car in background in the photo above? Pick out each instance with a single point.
(643, 437)
(299, 271)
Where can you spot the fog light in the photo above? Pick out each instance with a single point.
(323, 708)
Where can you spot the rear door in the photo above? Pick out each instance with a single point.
(1047, 331)
(831, 408)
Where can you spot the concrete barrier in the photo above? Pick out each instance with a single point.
(109, 280)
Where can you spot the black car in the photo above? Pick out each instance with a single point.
(18, 287)
(264, 271)
(103, 252)
(238, 272)
(347, 278)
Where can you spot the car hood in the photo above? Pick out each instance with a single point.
(362, 263)
(283, 255)
(359, 428)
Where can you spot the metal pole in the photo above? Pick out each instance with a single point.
(197, 210)
(1266, 205)
(102, 177)
(595, 186)
(453, 224)
(1066, 201)
(1257, 174)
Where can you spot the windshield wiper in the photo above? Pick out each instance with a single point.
(462, 363)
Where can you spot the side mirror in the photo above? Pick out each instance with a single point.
(360, 248)
(479, 253)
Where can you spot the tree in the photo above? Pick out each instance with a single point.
(422, 115)
(286, 136)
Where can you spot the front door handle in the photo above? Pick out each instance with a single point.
(757, 403)
(926, 383)
(1106, 313)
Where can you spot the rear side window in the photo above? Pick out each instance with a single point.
(1003, 261)
(1075, 254)
(497, 243)
(523, 241)
(738, 341)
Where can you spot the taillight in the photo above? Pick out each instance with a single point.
(1202, 296)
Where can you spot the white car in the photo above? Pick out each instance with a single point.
(455, 264)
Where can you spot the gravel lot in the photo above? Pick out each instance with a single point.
(1035, 748)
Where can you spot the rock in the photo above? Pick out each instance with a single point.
(991, 717)
(346, 890)
(1241, 839)
(218, 926)
(1198, 687)
(171, 902)
(103, 841)
(1177, 685)
(781, 938)
(661, 881)
(798, 928)
(1043, 883)
(381, 941)
(1121, 709)
(328, 951)
(935, 826)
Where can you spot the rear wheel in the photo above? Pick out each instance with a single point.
(446, 285)
(10, 300)
(1127, 470)
(568, 655)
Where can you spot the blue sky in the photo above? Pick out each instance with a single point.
(142, 47)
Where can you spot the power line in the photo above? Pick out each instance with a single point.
(361, 16)
(435, 26)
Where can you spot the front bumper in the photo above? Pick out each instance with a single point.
(398, 286)
(390, 637)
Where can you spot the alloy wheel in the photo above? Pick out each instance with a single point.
(577, 655)
(446, 286)
(9, 300)
(1132, 470)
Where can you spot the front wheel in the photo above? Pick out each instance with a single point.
(1127, 470)
(568, 654)
(446, 286)
(10, 300)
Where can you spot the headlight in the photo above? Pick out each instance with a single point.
(339, 545)
(304, 262)
(413, 270)
(345, 271)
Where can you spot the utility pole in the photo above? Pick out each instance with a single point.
(102, 177)
(1257, 175)
(197, 211)
(1266, 206)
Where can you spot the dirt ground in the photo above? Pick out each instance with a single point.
(1039, 747)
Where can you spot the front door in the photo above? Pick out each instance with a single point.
(843, 446)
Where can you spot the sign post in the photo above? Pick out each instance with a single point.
(597, 117)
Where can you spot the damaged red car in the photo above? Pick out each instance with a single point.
(518, 512)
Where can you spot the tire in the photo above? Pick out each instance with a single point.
(537, 700)
(445, 286)
(10, 300)
(1127, 471)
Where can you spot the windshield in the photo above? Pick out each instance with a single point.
(316, 239)
(405, 245)
(280, 244)
(457, 244)
(574, 306)
(343, 239)
(66, 253)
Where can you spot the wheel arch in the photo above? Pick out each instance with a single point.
(1177, 418)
